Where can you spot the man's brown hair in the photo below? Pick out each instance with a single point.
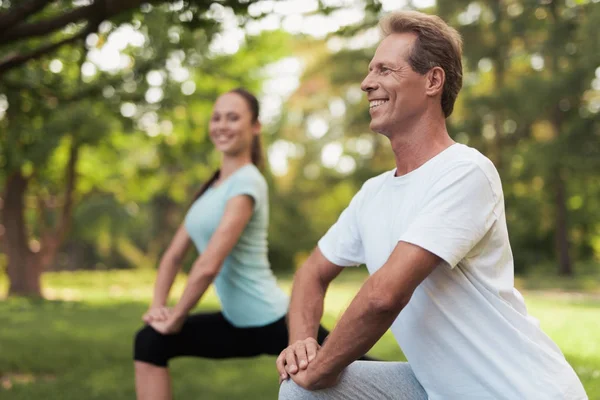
(437, 45)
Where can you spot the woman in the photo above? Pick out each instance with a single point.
(228, 224)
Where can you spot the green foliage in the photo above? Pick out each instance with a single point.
(140, 159)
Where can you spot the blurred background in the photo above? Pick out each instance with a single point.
(104, 108)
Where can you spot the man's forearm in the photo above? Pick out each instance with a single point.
(359, 328)
(306, 307)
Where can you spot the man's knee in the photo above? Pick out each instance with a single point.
(288, 390)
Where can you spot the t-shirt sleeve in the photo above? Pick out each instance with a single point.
(457, 212)
(248, 184)
(342, 244)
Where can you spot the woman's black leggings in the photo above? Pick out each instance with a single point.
(212, 336)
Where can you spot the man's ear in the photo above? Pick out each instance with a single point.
(435, 81)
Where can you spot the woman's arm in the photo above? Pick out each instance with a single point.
(238, 212)
(169, 265)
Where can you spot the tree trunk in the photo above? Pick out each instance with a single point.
(499, 68)
(561, 233)
(565, 266)
(23, 272)
(52, 238)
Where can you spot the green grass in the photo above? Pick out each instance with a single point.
(78, 345)
(543, 277)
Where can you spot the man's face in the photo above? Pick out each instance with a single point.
(396, 93)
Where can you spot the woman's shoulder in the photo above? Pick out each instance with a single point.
(251, 174)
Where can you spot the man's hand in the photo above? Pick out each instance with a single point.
(155, 314)
(169, 326)
(296, 357)
(311, 379)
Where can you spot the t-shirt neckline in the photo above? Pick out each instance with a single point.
(403, 179)
(212, 187)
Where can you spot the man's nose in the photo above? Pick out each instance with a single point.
(369, 83)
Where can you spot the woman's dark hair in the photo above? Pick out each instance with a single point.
(256, 150)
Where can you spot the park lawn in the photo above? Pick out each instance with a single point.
(78, 345)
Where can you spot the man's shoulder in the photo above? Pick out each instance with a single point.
(469, 157)
(369, 189)
(461, 152)
(372, 184)
(467, 167)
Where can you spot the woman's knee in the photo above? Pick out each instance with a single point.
(149, 346)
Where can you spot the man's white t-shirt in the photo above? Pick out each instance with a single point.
(465, 332)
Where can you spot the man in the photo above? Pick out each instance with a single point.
(433, 235)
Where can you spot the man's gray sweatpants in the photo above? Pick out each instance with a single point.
(364, 380)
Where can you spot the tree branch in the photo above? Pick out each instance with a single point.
(87, 91)
(9, 19)
(99, 10)
(44, 27)
(15, 60)
(94, 13)
(70, 178)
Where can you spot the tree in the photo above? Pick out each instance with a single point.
(20, 21)
(49, 105)
(49, 68)
(529, 69)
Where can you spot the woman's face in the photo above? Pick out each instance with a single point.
(231, 127)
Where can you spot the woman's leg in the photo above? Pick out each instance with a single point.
(202, 335)
(152, 379)
(152, 382)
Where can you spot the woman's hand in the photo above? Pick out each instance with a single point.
(156, 314)
(170, 326)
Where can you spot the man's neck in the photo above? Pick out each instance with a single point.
(415, 146)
